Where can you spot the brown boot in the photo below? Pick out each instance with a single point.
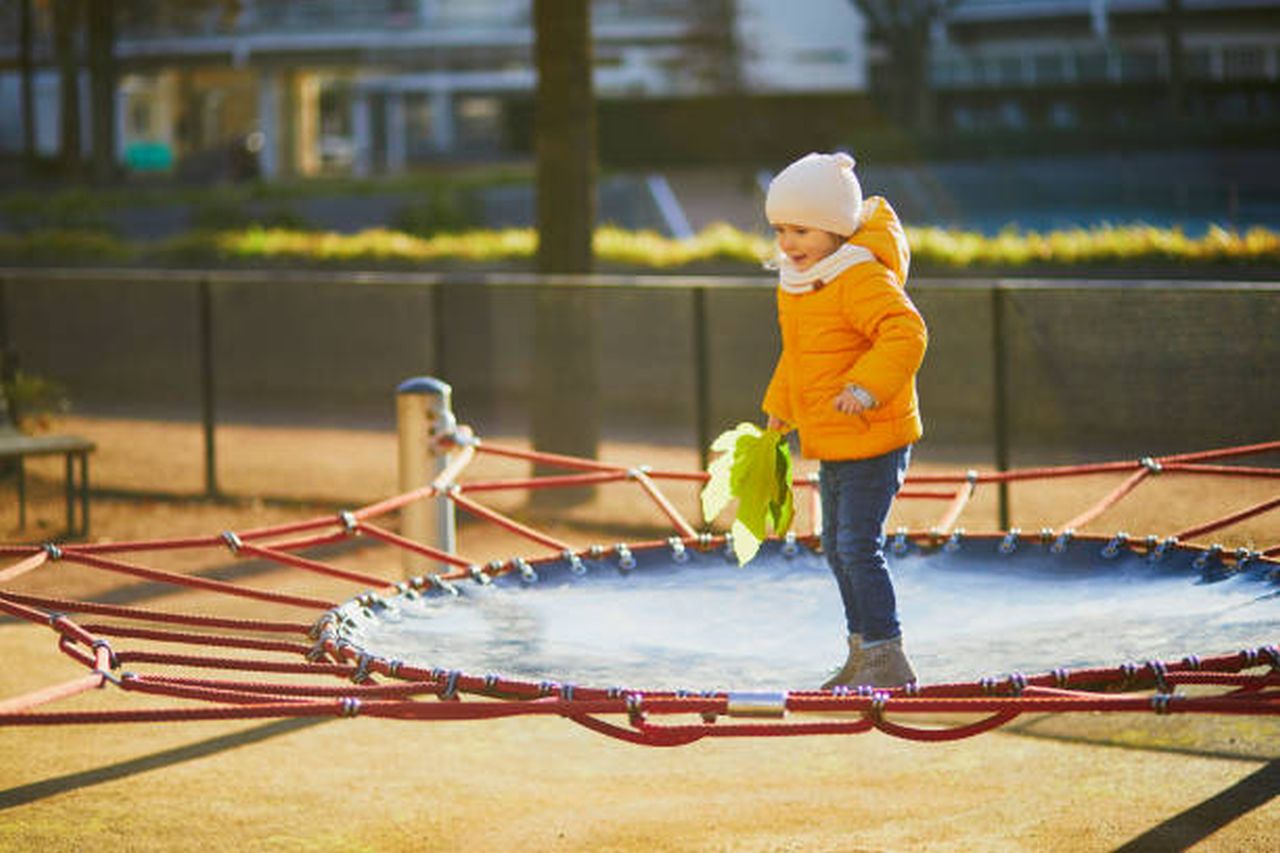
(843, 676)
(884, 664)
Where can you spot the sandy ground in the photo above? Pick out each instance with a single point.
(1083, 782)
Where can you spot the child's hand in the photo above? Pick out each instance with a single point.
(778, 424)
(847, 403)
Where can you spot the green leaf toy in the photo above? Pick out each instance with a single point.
(754, 466)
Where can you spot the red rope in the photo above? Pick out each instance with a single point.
(227, 699)
(571, 462)
(410, 545)
(196, 582)
(545, 482)
(199, 639)
(509, 524)
(1227, 521)
(71, 606)
(1111, 499)
(668, 509)
(311, 565)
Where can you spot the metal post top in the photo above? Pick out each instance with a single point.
(425, 385)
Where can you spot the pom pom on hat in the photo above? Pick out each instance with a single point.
(817, 191)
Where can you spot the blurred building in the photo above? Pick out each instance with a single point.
(1053, 65)
(306, 86)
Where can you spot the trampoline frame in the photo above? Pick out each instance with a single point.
(1245, 683)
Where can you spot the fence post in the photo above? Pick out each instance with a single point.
(208, 382)
(999, 394)
(423, 409)
(701, 376)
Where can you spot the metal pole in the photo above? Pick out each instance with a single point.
(701, 376)
(999, 394)
(208, 381)
(424, 412)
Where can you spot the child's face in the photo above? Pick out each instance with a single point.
(805, 246)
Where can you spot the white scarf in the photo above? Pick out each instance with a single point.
(793, 280)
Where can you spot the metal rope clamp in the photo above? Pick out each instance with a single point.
(349, 522)
(1009, 543)
(1017, 683)
(450, 691)
(527, 574)
(1159, 673)
(1064, 539)
(54, 552)
(900, 542)
(112, 660)
(1157, 554)
(1113, 547)
(757, 705)
(678, 552)
(1208, 557)
(405, 589)
(232, 541)
(443, 585)
(320, 649)
(878, 701)
(789, 545)
(575, 563)
(362, 673)
(626, 562)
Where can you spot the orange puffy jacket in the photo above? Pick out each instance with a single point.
(861, 329)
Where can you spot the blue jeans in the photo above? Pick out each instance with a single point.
(856, 496)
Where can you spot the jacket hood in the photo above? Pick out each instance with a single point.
(881, 232)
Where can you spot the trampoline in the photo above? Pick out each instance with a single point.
(667, 641)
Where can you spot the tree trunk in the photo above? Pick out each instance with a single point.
(27, 71)
(565, 136)
(102, 70)
(66, 20)
(1177, 72)
(565, 414)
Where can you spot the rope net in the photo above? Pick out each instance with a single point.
(307, 662)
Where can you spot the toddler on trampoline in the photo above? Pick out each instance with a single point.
(852, 342)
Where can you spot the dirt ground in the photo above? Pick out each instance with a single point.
(1069, 782)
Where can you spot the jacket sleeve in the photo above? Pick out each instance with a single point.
(882, 311)
(777, 397)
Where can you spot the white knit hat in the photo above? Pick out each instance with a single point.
(817, 191)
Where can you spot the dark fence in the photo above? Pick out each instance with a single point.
(1018, 371)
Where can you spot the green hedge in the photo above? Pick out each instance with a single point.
(719, 246)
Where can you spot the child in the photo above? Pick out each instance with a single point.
(852, 342)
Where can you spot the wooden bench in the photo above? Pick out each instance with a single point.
(17, 446)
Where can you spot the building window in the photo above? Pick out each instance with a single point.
(1197, 64)
(1050, 69)
(1232, 107)
(139, 118)
(420, 126)
(1139, 66)
(1012, 115)
(1063, 115)
(1093, 66)
(480, 123)
(1244, 63)
(1009, 71)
